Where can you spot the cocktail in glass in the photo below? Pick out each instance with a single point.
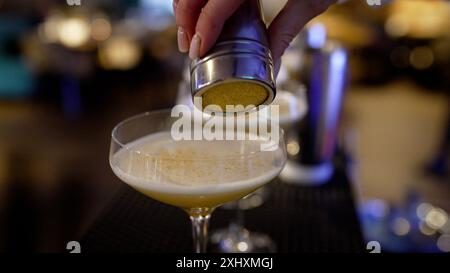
(195, 175)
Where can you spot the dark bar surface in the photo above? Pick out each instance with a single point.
(298, 219)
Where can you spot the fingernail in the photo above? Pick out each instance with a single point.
(183, 42)
(194, 50)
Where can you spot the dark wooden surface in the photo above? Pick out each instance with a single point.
(297, 218)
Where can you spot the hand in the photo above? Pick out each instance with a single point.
(200, 23)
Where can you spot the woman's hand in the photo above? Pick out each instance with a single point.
(200, 23)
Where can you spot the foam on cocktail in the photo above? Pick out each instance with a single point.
(192, 174)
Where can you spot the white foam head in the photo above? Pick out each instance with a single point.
(158, 163)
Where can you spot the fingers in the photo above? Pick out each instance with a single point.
(200, 23)
(186, 14)
(209, 25)
(291, 19)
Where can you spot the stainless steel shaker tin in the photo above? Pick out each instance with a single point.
(324, 71)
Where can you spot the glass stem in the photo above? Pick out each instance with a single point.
(200, 231)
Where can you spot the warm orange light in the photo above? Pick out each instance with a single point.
(418, 19)
(73, 32)
(119, 53)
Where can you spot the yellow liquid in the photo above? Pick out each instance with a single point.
(245, 93)
(195, 174)
(188, 201)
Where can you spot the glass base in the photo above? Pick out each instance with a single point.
(251, 201)
(310, 175)
(235, 239)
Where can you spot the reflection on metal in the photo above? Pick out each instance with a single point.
(324, 78)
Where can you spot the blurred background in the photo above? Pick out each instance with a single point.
(69, 73)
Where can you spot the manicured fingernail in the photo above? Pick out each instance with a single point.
(194, 50)
(183, 42)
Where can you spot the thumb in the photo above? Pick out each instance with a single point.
(291, 19)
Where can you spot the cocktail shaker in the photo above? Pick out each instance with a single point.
(241, 54)
(324, 74)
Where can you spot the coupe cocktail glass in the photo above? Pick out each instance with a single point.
(195, 175)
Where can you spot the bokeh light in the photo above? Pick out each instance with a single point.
(293, 148)
(401, 226)
(48, 31)
(74, 32)
(423, 209)
(436, 218)
(443, 243)
(120, 53)
(417, 19)
(397, 25)
(421, 57)
(100, 29)
(425, 229)
(242, 246)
